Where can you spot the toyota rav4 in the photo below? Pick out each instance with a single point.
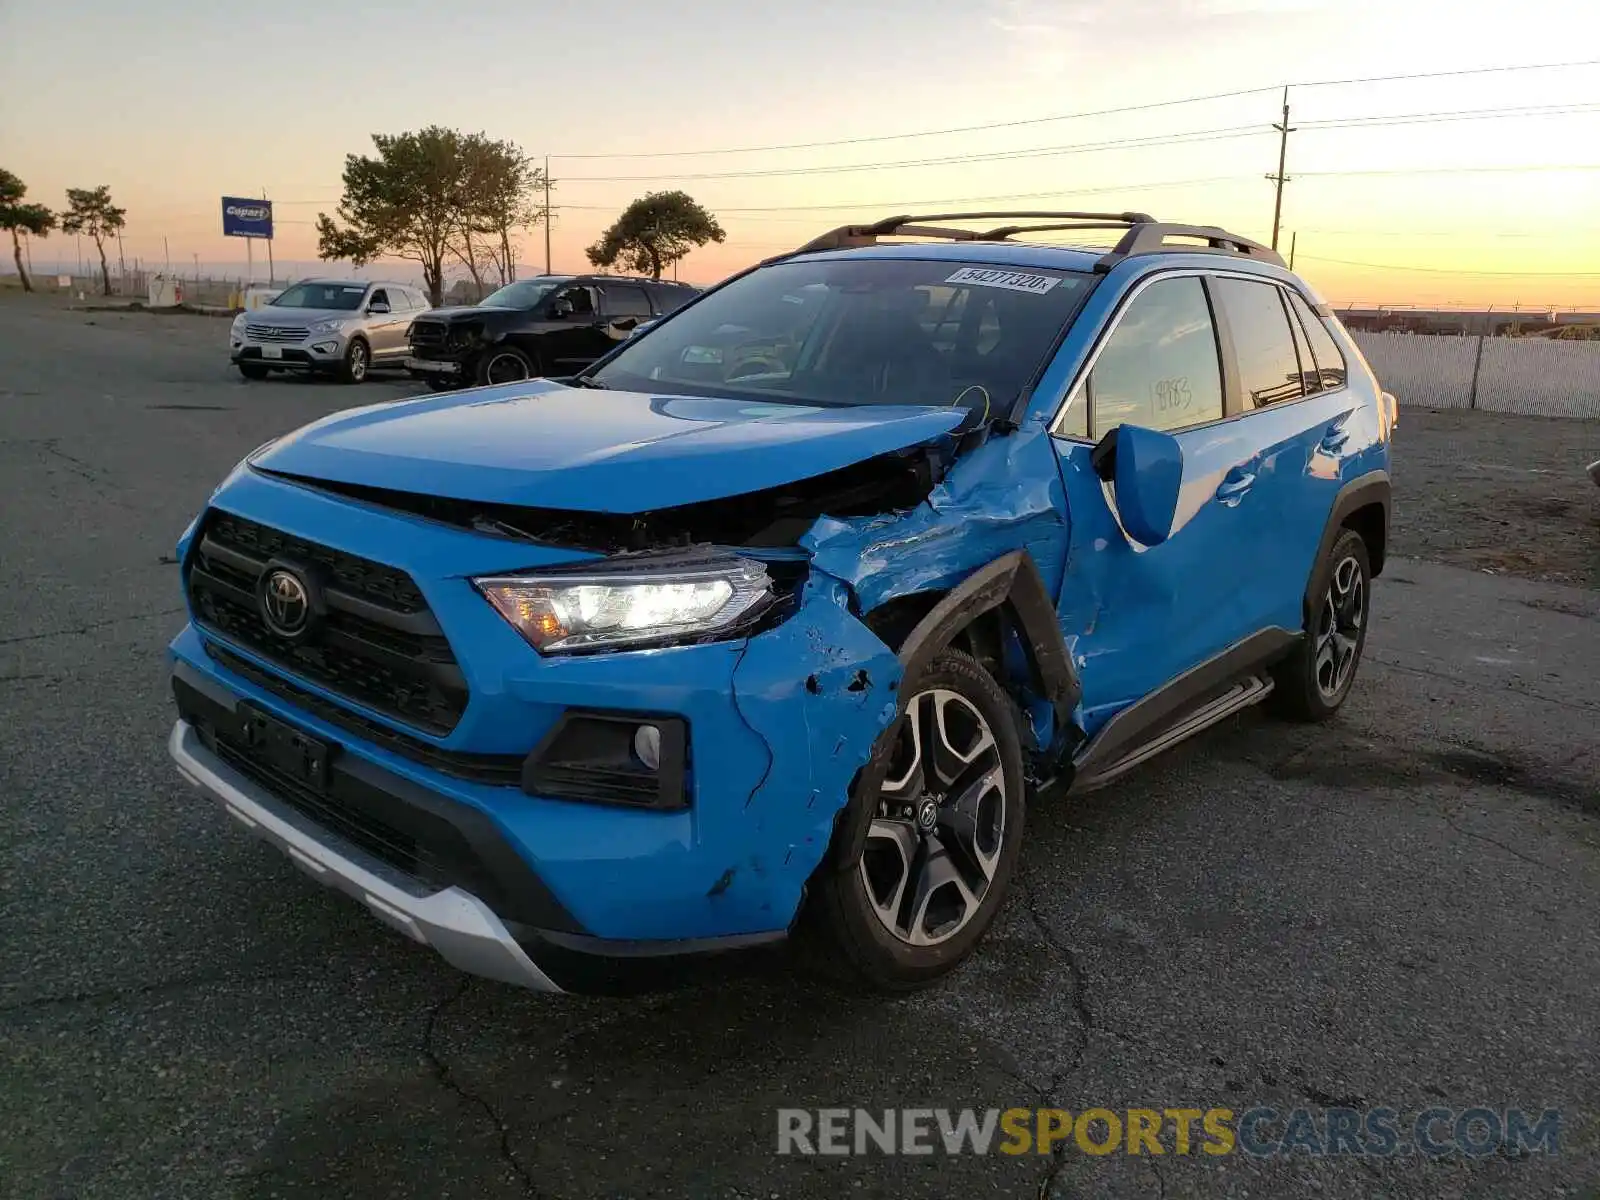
(776, 619)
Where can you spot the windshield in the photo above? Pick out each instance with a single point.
(345, 296)
(859, 331)
(525, 293)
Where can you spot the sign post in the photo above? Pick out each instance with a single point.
(248, 218)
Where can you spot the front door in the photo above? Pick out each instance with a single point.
(575, 338)
(386, 332)
(1135, 617)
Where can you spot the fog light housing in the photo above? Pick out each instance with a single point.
(608, 757)
(325, 347)
(647, 746)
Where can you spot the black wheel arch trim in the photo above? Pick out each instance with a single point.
(1012, 583)
(1361, 492)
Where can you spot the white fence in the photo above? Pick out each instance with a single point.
(1534, 376)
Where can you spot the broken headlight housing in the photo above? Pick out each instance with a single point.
(608, 606)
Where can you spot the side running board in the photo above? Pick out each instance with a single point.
(1241, 695)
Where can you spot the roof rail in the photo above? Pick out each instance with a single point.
(849, 236)
(1143, 234)
(1151, 238)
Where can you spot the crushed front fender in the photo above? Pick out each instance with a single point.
(818, 689)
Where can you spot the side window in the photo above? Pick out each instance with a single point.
(1269, 372)
(1160, 369)
(624, 301)
(581, 299)
(379, 296)
(670, 299)
(1330, 362)
(1309, 379)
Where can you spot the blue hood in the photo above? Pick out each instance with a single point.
(544, 445)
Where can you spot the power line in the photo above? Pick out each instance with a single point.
(1075, 116)
(1559, 66)
(1223, 133)
(1345, 262)
(1167, 139)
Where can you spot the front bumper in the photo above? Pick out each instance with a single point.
(777, 726)
(454, 922)
(320, 352)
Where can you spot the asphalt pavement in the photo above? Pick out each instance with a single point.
(1398, 909)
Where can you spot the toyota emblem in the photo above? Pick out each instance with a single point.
(285, 603)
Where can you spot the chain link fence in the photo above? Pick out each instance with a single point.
(1531, 376)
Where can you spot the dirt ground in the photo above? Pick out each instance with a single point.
(1503, 494)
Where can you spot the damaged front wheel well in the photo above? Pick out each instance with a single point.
(981, 637)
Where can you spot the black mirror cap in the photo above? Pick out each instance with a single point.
(1103, 458)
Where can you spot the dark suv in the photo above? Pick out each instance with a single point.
(548, 325)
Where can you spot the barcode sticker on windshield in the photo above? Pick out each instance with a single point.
(1016, 281)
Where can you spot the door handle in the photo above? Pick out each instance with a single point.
(1235, 486)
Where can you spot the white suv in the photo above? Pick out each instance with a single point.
(342, 327)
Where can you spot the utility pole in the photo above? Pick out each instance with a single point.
(1284, 130)
(122, 263)
(547, 270)
(272, 271)
(1294, 240)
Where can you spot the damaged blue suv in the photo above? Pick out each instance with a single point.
(777, 618)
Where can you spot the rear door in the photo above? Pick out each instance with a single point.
(1136, 617)
(1298, 416)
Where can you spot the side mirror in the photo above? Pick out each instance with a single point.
(640, 328)
(1146, 470)
(377, 306)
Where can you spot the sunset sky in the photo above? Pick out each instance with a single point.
(1422, 190)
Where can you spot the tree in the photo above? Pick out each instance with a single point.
(406, 202)
(654, 232)
(90, 211)
(18, 217)
(498, 188)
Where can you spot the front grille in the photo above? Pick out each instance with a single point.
(428, 334)
(377, 643)
(439, 337)
(503, 770)
(276, 333)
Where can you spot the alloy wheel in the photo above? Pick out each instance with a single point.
(1338, 636)
(505, 368)
(358, 361)
(934, 844)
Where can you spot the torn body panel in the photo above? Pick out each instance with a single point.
(819, 690)
(1004, 498)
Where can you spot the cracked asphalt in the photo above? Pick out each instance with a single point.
(1396, 909)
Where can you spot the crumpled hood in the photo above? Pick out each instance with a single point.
(544, 445)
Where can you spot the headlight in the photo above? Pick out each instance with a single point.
(238, 325)
(566, 611)
(328, 326)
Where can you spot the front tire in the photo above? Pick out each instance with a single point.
(505, 364)
(357, 362)
(1315, 680)
(924, 852)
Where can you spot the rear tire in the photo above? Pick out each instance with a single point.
(923, 854)
(1315, 680)
(252, 371)
(357, 362)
